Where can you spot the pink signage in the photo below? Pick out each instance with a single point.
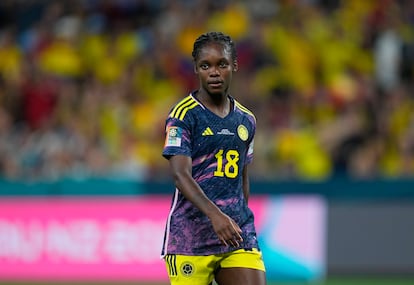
(85, 238)
(119, 238)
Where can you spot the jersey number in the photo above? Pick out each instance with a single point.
(231, 167)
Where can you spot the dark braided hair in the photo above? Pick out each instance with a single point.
(214, 37)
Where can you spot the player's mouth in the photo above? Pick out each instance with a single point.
(215, 84)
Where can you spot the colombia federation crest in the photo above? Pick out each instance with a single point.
(242, 132)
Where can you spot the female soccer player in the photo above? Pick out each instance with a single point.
(210, 233)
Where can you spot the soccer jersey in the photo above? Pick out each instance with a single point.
(219, 148)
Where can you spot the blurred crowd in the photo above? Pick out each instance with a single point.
(86, 85)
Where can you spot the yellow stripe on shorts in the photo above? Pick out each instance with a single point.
(171, 260)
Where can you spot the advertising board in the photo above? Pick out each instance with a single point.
(119, 238)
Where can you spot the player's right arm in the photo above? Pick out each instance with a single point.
(225, 227)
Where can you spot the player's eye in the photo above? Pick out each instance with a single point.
(223, 64)
(204, 66)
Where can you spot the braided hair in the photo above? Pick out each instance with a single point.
(214, 37)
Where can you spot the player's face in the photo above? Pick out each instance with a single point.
(214, 68)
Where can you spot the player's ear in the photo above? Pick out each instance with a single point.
(195, 68)
(235, 65)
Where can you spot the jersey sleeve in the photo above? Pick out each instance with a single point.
(249, 155)
(177, 138)
(250, 148)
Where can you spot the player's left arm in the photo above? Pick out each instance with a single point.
(246, 183)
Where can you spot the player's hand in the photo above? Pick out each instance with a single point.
(227, 230)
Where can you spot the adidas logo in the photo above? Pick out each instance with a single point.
(208, 132)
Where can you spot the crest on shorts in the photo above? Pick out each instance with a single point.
(187, 268)
(242, 132)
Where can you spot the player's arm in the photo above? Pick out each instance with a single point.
(246, 183)
(225, 227)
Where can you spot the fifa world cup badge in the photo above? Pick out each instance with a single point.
(173, 136)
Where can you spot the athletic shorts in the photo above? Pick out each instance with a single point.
(190, 270)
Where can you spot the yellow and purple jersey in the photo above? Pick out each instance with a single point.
(219, 148)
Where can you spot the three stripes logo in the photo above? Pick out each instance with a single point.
(182, 107)
(207, 132)
(186, 268)
(172, 266)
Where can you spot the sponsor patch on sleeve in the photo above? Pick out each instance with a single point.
(174, 136)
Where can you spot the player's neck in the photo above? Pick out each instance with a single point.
(219, 104)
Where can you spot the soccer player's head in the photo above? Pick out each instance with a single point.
(215, 59)
(217, 38)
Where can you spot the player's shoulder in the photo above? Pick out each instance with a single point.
(182, 107)
(243, 109)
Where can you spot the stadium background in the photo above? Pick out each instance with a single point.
(85, 87)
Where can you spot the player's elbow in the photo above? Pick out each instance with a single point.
(180, 177)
